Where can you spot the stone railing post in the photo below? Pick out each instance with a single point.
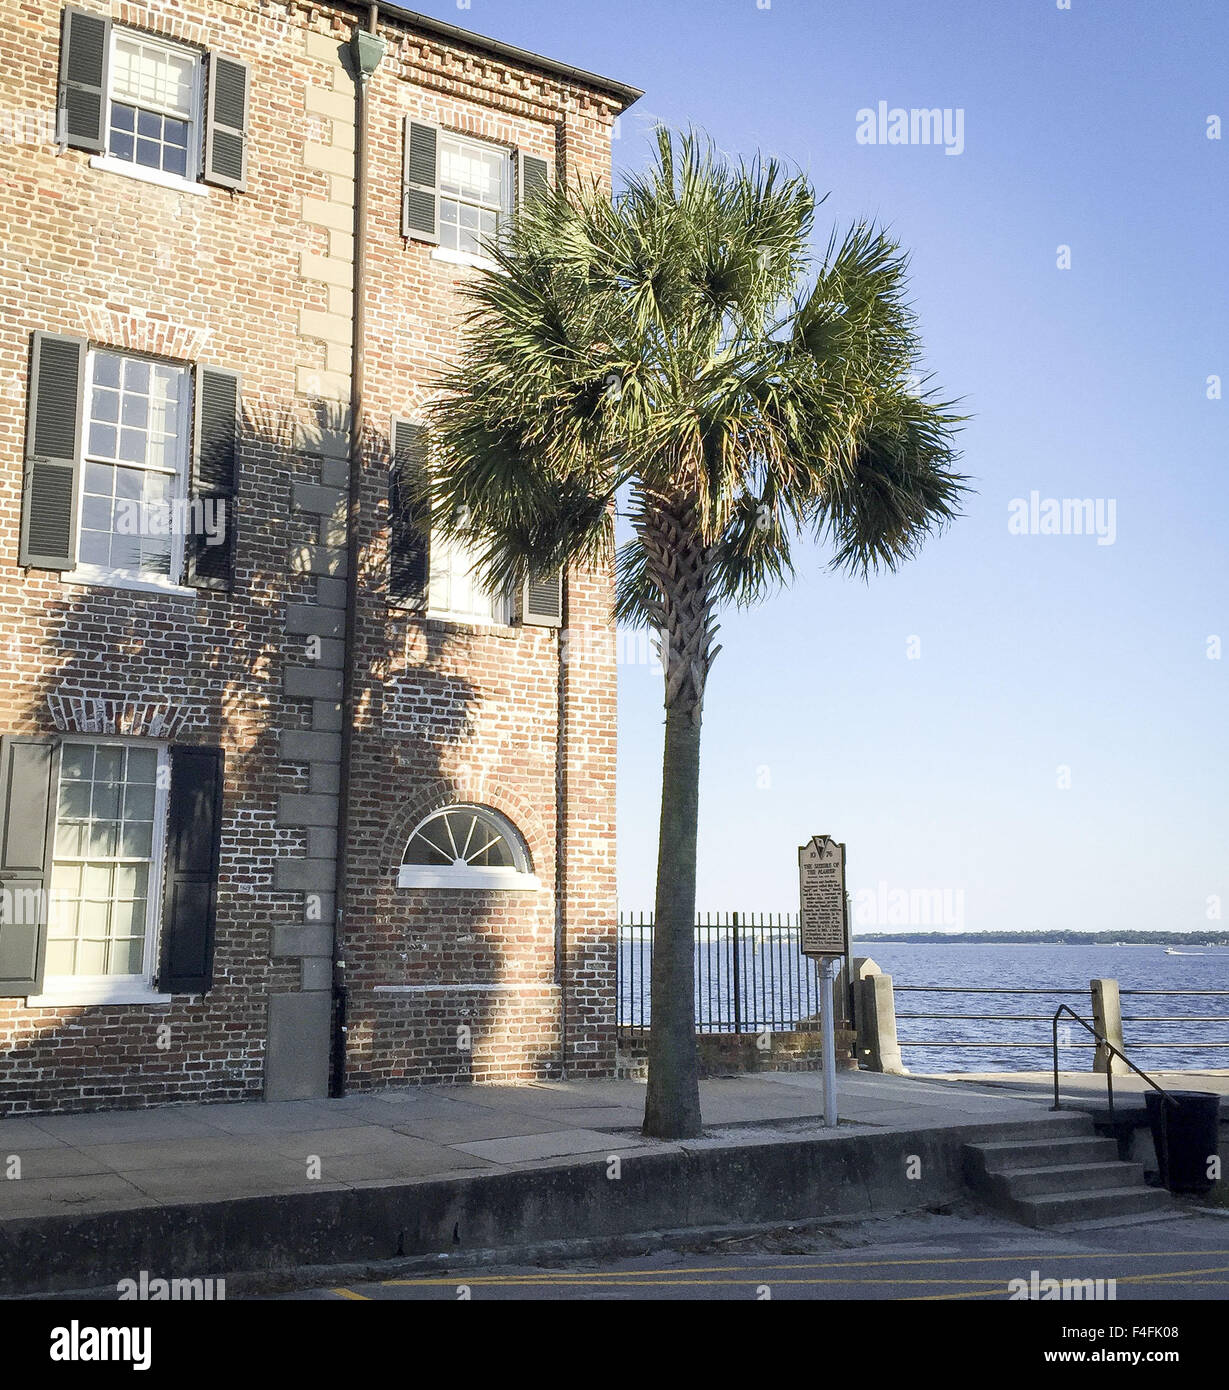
(1107, 1020)
(878, 1049)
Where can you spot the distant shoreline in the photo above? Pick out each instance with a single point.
(1073, 938)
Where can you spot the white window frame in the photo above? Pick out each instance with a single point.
(471, 876)
(452, 254)
(64, 990)
(191, 179)
(127, 579)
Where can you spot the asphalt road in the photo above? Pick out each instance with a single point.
(923, 1257)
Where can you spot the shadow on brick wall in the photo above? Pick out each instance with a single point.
(218, 659)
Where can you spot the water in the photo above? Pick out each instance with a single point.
(1051, 967)
(779, 987)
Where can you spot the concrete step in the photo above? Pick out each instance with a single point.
(1065, 1177)
(1112, 1223)
(1042, 1153)
(1062, 1179)
(1061, 1208)
(1067, 1124)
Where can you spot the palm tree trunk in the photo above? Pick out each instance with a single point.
(680, 566)
(672, 1104)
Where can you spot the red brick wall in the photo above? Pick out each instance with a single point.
(221, 278)
(211, 278)
(497, 692)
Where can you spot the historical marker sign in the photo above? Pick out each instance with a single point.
(821, 874)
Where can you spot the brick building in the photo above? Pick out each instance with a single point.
(289, 803)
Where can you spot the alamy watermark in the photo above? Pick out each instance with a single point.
(645, 647)
(77, 1341)
(883, 906)
(156, 1290)
(180, 516)
(27, 126)
(1035, 515)
(1082, 1290)
(915, 125)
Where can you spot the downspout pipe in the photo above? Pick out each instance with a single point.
(366, 50)
(561, 837)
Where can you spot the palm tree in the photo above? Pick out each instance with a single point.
(670, 354)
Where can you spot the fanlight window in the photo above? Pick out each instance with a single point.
(466, 847)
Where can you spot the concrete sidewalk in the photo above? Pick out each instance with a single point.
(216, 1189)
(1087, 1089)
(111, 1160)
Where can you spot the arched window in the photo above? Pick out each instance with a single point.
(466, 847)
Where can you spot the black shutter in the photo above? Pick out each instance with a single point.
(53, 433)
(409, 542)
(420, 182)
(189, 899)
(210, 558)
(29, 773)
(542, 600)
(81, 100)
(226, 123)
(534, 177)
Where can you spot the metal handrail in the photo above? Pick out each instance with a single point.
(1109, 1071)
(980, 989)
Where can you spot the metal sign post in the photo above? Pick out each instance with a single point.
(828, 968)
(821, 886)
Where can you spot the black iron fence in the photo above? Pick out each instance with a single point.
(751, 976)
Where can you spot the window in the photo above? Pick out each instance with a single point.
(153, 111)
(475, 193)
(110, 813)
(456, 590)
(466, 847)
(137, 415)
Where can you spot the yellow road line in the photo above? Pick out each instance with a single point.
(1125, 1279)
(642, 1283)
(610, 1275)
(1170, 1274)
(997, 1291)
(349, 1293)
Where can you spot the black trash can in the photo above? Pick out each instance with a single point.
(1185, 1136)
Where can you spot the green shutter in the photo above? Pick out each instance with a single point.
(85, 43)
(542, 600)
(53, 453)
(210, 559)
(534, 177)
(193, 852)
(420, 182)
(409, 542)
(226, 122)
(29, 774)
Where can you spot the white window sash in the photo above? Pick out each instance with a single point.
(451, 566)
(461, 144)
(103, 989)
(181, 470)
(193, 168)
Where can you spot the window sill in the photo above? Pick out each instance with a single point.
(446, 876)
(449, 622)
(144, 175)
(116, 581)
(451, 257)
(68, 993)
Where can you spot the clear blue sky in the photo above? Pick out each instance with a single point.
(1083, 128)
